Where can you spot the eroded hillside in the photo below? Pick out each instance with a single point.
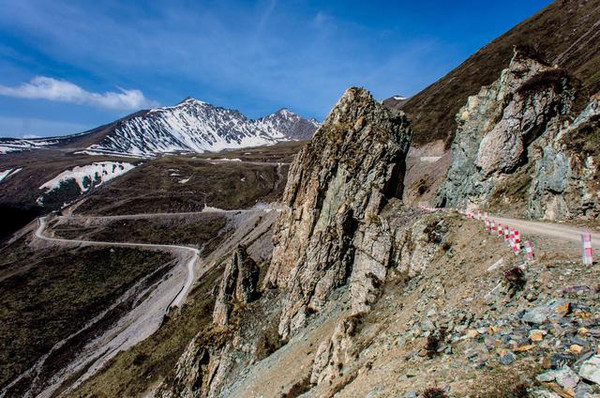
(365, 296)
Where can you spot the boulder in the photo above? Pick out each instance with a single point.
(590, 369)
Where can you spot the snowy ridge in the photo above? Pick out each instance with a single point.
(86, 177)
(196, 126)
(7, 173)
(17, 145)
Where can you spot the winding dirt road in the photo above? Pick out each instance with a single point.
(559, 231)
(151, 304)
(188, 255)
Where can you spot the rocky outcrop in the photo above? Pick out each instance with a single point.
(566, 179)
(337, 184)
(519, 122)
(333, 353)
(238, 285)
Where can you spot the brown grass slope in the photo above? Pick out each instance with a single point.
(566, 33)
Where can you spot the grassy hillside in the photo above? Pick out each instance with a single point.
(566, 33)
(48, 294)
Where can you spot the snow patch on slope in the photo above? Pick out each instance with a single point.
(18, 145)
(86, 177)
(7, 173)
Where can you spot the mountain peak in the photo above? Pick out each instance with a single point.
(285, 112)
(197, 126)
(190, 101)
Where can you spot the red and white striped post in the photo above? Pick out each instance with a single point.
(487, 224)
(506, 234)
(515, 241)
(500, 231)
(529, 250)
(493, 227)
(586, 248)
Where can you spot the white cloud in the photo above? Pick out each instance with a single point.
(42, 87)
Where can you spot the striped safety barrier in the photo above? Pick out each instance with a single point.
(500, 230)
(517, 239)
(586, 248)
(529, 250)
(516, 247)
(493, 227)
(506, 234)
(487, 224)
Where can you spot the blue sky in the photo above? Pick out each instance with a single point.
(67, 66)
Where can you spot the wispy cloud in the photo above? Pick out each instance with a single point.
(256, 56)
(42, 87)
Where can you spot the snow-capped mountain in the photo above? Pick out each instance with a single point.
(190, 126)
(196, 126)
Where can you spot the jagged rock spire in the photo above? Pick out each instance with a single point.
(238, 285)
(354, 161)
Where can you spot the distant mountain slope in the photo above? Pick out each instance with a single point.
(196, 126)
(567, 33)
(190, 126)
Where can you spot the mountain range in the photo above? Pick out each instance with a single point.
(191, 126)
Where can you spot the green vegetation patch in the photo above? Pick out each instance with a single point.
(202, 229)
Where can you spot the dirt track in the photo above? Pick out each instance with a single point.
(138, 324)
(559, 231)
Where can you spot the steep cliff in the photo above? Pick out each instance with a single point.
(340, 229)
(336, 186)
(566, 32)
(238, 285)
(511, 146)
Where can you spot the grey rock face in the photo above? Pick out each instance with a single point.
(333, 353)
(492, 129)
(524, 121)
(238, 285)
(566, 180)
(336, 186)
(590, 369)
